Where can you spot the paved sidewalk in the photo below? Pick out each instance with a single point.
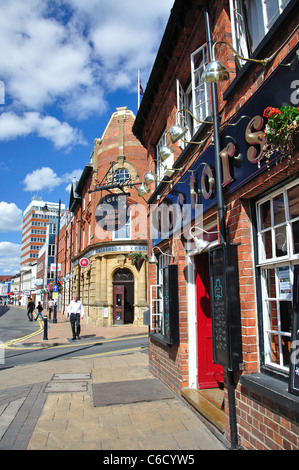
(60, 332)
(54, 405)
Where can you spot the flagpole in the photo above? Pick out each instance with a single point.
(138, 88)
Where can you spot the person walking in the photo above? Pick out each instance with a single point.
(39, 310)
(76, 311)
(30, 308)
(50, 306)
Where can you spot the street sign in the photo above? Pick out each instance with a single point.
(84, 262)
(55, 288)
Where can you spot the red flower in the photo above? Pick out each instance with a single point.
(268, 112)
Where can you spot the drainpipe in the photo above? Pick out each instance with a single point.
(221, 219)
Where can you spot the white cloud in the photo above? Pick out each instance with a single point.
(11, 218)
(61, 134)
(9, 258)
(45, 178)
(42, 178)
(70, 52)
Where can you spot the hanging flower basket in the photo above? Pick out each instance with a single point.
(51, 285)
(282, 130)
(137, 259)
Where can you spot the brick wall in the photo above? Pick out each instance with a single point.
(265, 425)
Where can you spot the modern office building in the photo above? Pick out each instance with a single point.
(36, 218)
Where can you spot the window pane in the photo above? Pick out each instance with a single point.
(285, 290)
(267, 241)
(279, 210)
(286, 350)
(255, 22)
(270, 283)
(293, 198)
(286, 316)
(281, 246)
(295, 232)
(272, 8)
(272, 315)
(274, 341)
(265, 213)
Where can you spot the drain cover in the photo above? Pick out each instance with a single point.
(66, 387)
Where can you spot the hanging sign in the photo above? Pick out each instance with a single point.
(112, 212)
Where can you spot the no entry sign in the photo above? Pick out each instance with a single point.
(84, 262)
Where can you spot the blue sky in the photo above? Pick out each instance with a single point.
(65, 66)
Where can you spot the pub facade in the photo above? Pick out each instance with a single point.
(220, 118)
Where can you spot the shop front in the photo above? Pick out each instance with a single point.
(238, 313)
(112, 289)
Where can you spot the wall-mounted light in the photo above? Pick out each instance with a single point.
(149, 177)
(177, 131)
(200, 243)
(165, 152)
(143, 189)
(153, 259)
(215, 71)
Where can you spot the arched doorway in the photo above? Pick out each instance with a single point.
(123, 296)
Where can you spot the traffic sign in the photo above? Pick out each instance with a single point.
(84, 262)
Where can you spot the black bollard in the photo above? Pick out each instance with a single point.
(45, 328)
(55, 313)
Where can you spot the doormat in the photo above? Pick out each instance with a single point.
(131, 391)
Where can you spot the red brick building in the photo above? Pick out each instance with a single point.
(106, 229)
(224, 314)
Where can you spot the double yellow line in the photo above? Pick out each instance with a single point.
(19, 340)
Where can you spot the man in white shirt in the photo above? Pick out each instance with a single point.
(50, 306)
(75, 311)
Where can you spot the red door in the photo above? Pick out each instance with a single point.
(118, 303)
(210, 375)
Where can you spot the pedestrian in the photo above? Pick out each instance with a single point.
(50, 306)
(30, 308)
(75, 311)
(39, 310)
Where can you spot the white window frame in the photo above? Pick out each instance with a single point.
(275, 264)
(202, 108)
(261, 20)
(187, 99)
(124, 233)
(168, 163)
(156, 299)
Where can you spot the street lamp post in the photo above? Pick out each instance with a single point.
(56, 263)
(221, 217)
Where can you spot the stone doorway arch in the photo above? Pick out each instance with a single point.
(123, 296)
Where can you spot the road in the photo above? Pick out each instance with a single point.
(14, 324)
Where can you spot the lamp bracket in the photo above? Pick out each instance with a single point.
(258, 61)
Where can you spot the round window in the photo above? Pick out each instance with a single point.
(121, 175)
